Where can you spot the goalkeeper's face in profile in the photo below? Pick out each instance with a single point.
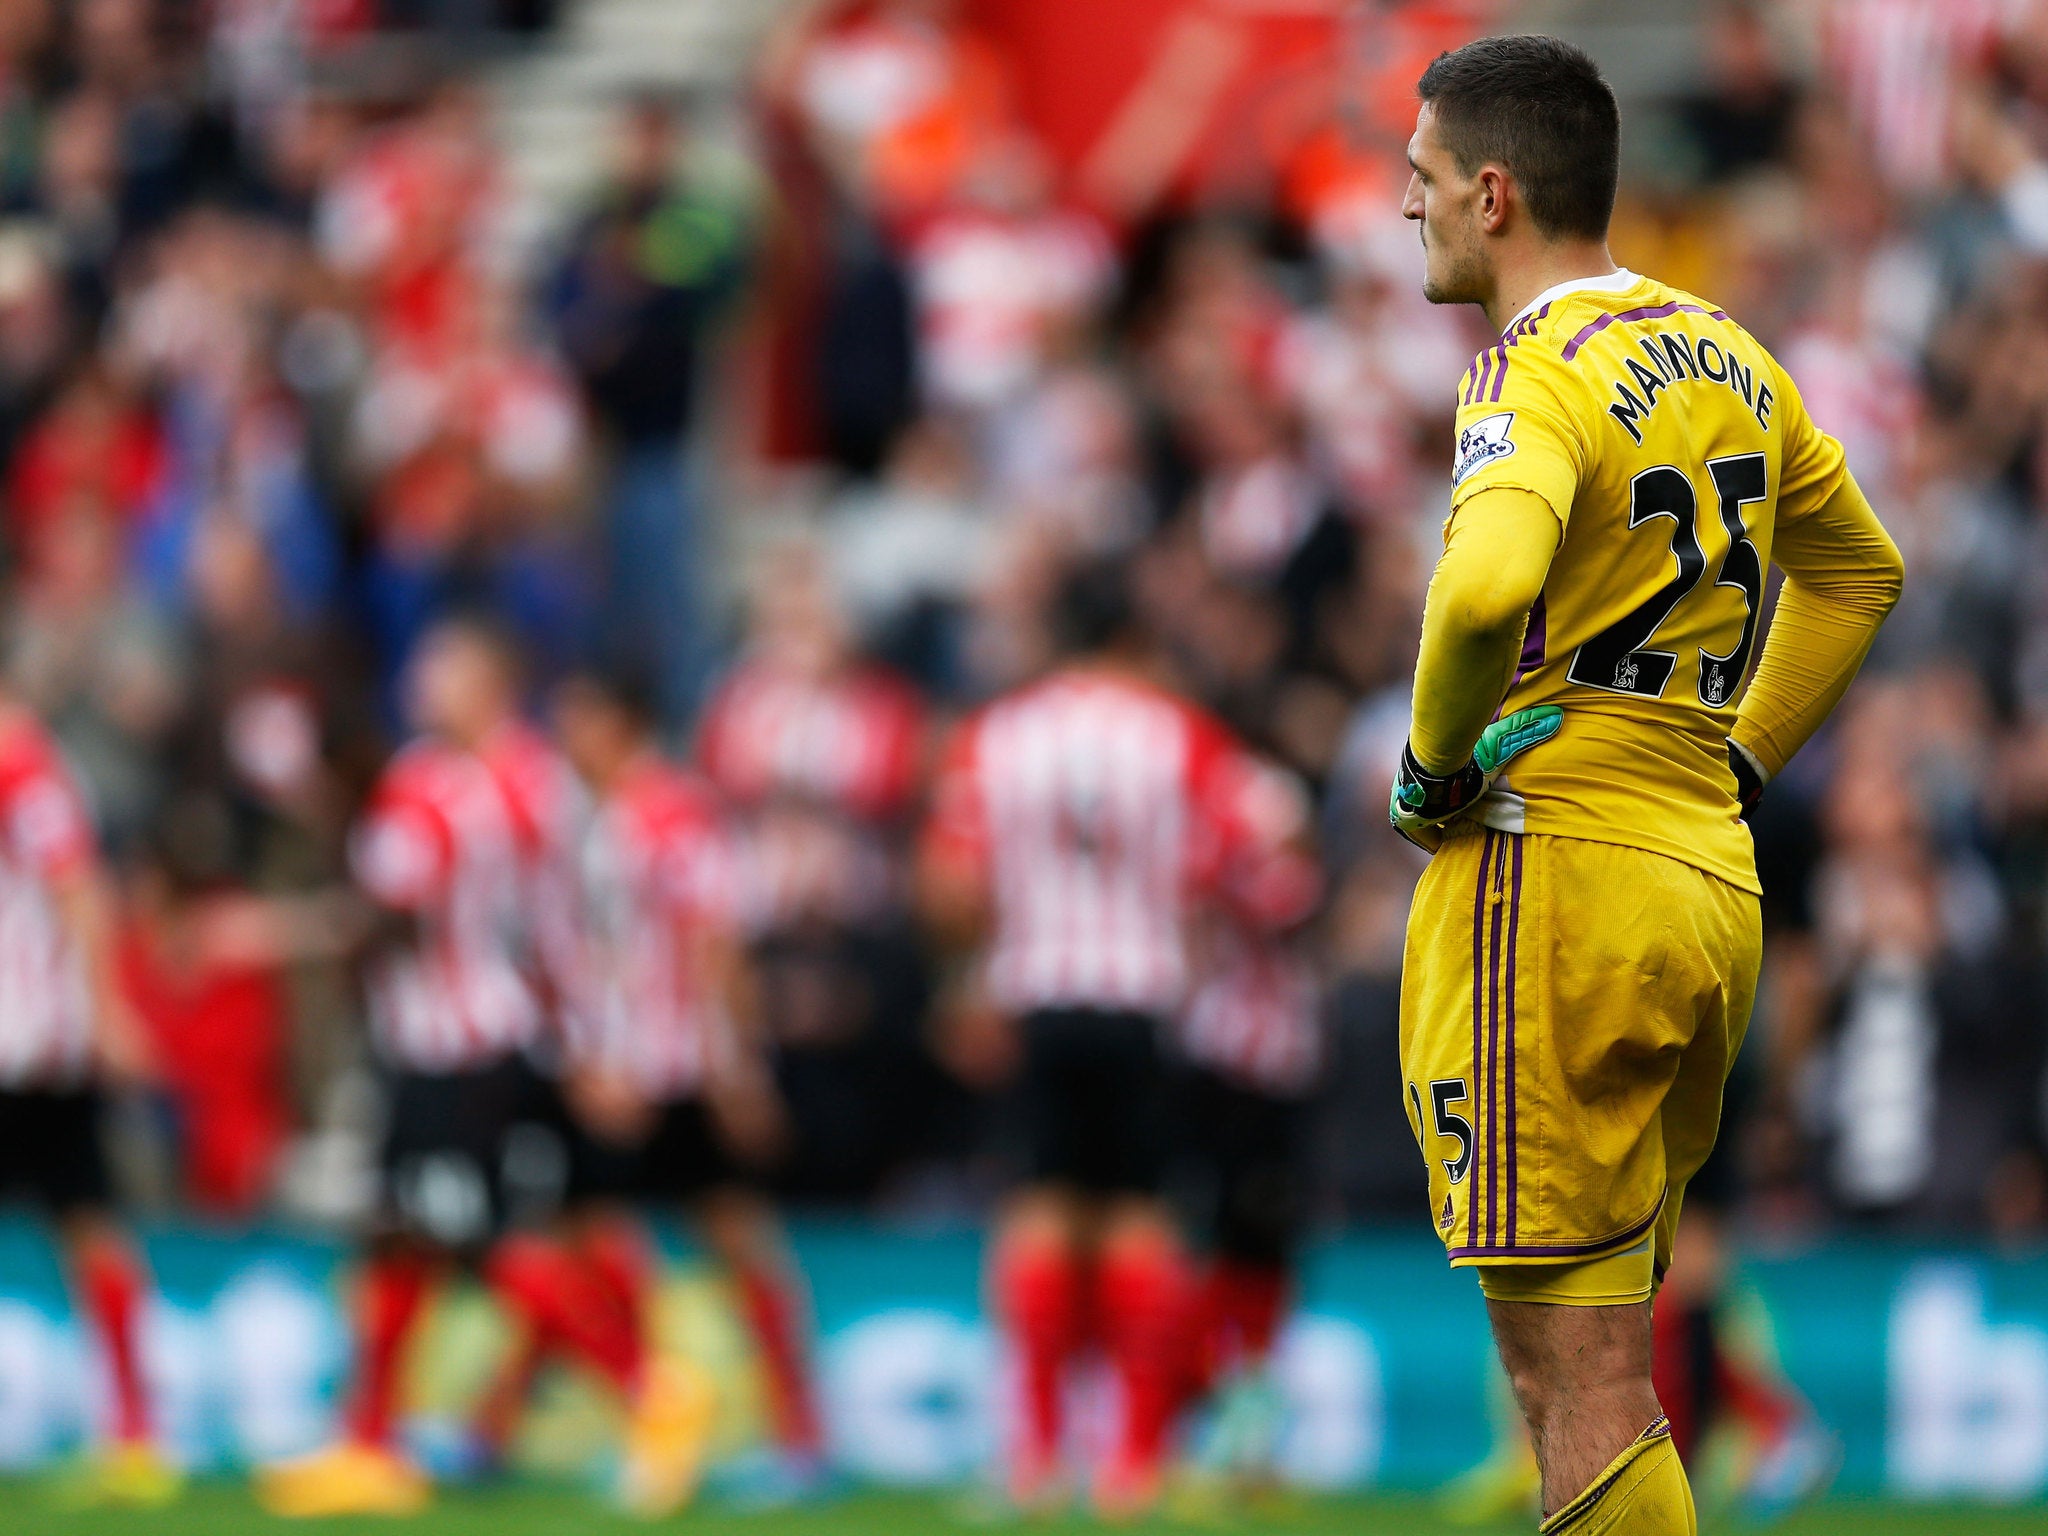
(1513, 167)
(1454, 210)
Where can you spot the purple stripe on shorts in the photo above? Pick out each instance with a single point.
(1561, 1250)
(1493, 1025)
(1514, 934)
(1648, 312)
(1478, 1010)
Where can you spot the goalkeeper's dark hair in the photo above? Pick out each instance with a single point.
(1539, 108)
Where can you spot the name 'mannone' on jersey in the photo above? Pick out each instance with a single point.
(1676, 358)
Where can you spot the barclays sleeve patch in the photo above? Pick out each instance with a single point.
(1481, 443)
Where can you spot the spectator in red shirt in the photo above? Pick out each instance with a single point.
(214, 1009)
(92, 443)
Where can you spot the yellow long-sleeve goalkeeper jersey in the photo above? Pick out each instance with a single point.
(1676, 457)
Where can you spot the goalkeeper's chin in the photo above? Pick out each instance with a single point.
(1451, 276)
(1446, 291)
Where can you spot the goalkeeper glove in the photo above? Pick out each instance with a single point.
(1750, 777)
(1422, 802)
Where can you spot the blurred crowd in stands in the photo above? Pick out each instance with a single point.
(272, 397)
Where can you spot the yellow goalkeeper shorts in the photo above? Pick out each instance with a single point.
(1569, 1013)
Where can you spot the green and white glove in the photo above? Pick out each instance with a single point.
(1422, 802)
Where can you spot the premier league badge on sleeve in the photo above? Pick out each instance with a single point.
(1482, 442)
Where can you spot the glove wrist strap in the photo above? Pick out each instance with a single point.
(1756, 766)
(1421, 775)
(1443, 794)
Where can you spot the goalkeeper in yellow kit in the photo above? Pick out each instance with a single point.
(1583, 949)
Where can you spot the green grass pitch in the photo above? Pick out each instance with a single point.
(222, 1509)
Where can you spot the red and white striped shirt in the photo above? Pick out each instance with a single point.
(849, 741)
(1100, 809)
(46, 1020)
(1896, 64)
(440, 842)
(550, 812)
(993, 290)
(1255, 1013)
(821, 772)
(658, 874)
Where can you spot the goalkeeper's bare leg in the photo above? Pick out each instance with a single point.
(1581, 1376)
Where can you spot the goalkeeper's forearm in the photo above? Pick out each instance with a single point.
(1497, 551)
(1843, 573)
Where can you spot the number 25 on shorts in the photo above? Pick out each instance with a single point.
(1447, 1123)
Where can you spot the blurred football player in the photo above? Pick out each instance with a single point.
(1078, 821)
(669, 1085)
(1706, 1384)
(445, 852)
(66, 1032)
(1250, 1043)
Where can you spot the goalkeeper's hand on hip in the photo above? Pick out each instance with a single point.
(1422, 802)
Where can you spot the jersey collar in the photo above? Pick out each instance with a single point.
(1618, 281)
